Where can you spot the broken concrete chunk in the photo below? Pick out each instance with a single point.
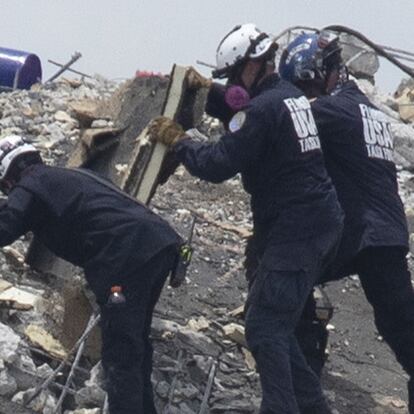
(238, 312)
(159, 326)
(63, 116)
(199, 324)
(99, 139)
(388, 401)
(93, 142)
(404, 142)
(44, 403)
(199, 368)
(16, 298)
(198, 341)
(235, 332)
(85, 112)
(249, 359)
(41, 338)
(9, 342)
(406, 105)
(101, 123)
(4, 284)
(92, 394)
(361, 60)
(13, 256)
(8, 384)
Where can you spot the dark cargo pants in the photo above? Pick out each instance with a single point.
(126, 346)
(283, 281)
(386, 282)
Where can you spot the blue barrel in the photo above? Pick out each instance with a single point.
(19, 70)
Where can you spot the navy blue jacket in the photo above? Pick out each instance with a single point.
(357, 143)
(275, 146)
(85, 223)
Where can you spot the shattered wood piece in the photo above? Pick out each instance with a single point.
(235, 332)
(44, 340)
(238, 312)
(16, 298)
(77, 311)
(4, 285)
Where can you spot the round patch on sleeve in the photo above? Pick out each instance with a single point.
(237, 121)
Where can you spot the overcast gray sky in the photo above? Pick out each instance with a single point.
(117, 37)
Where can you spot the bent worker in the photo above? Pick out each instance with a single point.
(121, 245)
(358, 146)
(274, 144)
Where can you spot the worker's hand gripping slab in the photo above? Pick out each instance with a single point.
(197, 81)
(166, 131)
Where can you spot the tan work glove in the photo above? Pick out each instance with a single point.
(196, 80)
(166, 131)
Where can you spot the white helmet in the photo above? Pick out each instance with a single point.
(243, 42)
(12, 147)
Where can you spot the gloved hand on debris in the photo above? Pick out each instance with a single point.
(166, 131)
(196, 80)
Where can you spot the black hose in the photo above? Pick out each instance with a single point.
(378, 49)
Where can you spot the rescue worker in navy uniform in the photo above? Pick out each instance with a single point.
(274, 144)
(117, 241)
(357, 143)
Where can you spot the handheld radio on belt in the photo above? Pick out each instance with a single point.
(185, 253)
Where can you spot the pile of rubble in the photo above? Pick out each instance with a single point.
(201, 364)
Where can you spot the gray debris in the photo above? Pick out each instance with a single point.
(9, 343)
(189, 321)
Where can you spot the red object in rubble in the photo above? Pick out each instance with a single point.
(149, 74)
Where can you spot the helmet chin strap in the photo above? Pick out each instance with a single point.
(259, 76)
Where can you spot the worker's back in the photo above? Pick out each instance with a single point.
(90, 224)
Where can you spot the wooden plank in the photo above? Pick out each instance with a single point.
(171, 109)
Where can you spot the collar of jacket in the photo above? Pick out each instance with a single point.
(349, 84)
(268, 82)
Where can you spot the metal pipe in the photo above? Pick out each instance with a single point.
(69, 69)
(378, 49)
(76, 56)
